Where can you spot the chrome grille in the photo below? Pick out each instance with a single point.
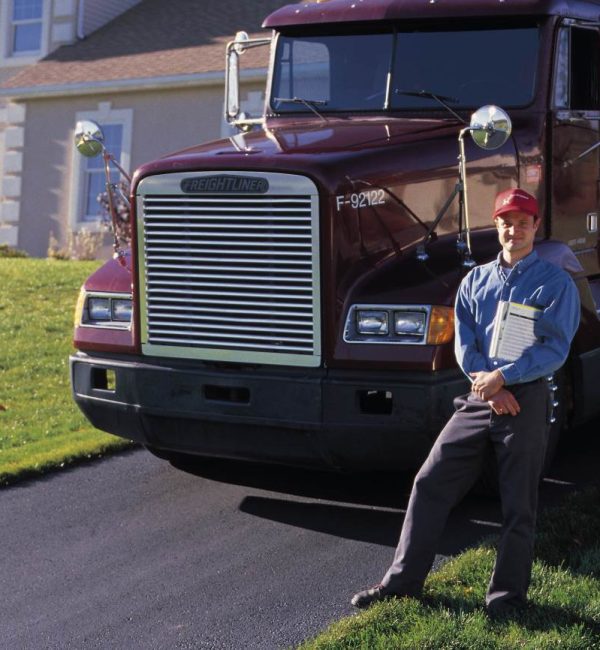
(230, 277)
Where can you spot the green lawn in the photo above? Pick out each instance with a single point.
(40, 426)
(564, 594)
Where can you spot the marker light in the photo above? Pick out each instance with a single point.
(441, 325)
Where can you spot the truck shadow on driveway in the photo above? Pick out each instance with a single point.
(370, 507)
(374, 526)
(361, 507)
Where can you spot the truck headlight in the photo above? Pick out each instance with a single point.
(410, 323)
(98, 308)
(107, 310)
(122, 309)
(372, 322)
(399, 324)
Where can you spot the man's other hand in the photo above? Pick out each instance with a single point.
(504, 403)
(486, 384)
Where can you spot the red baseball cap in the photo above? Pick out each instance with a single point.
(515, 200)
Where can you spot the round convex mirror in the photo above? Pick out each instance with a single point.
(490, 127)
(89, 138)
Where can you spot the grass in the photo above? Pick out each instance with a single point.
(564, 595)
(40, 426)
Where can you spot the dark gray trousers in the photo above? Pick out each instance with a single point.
(453, 465)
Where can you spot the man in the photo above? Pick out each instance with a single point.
(508, 407)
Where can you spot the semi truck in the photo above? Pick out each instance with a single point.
(287, 295)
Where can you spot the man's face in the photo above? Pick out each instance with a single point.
(516, 231)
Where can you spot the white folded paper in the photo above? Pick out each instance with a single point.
(513, 330)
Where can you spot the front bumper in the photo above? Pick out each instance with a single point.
(310, 417)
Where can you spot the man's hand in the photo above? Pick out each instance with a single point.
(486, 384)
(504, 403)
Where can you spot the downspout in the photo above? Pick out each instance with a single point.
(80, 13)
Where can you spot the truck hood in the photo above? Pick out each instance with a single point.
(323, 150)
(381, 184)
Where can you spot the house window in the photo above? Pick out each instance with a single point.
(94, 181)
(27, 26)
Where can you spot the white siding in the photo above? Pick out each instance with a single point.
(99, 12)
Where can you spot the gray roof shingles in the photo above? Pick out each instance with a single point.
(156, 38)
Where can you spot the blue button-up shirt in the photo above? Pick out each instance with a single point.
(534, 282)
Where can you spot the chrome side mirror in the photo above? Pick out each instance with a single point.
(232, 76)
(235, 49)
(89, 138)
(490, 127)
(89, 141)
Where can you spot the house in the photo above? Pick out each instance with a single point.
(152, 77)
(29, 31)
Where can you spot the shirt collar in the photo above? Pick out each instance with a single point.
(522, 265)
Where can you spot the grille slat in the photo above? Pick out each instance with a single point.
(260, 244)
(211, 300)
(163, 285)
(231, 272)
(195, 331)
(238, 214)
(232, 200)
(190, 309)
(236, 294)
(220, 252)
(228, 319)
(197, 341)
(230, 276)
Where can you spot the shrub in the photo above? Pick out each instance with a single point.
(9, 251)
(81, 245)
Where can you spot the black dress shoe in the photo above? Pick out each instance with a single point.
(373, 595)
(505, 611)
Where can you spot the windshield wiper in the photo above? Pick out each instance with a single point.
(309, 103)
(440, 99)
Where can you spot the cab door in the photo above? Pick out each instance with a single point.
(575, 169)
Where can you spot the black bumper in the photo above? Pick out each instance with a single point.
(318, 417)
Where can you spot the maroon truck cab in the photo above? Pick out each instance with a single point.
(288, 294)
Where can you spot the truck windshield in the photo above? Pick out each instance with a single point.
(402, 70)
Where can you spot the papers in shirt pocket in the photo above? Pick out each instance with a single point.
(513, 330)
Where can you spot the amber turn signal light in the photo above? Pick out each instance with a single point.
(441, 325)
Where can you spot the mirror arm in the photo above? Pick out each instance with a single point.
(464, 200)
(588, 151)
(114, 161)
(117, 250)
(422, 254)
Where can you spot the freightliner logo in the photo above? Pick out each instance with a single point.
(225, 184)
